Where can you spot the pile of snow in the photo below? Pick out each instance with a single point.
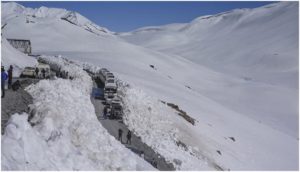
(12, 56)
(256, 113)
(66, 134)
(154, 123)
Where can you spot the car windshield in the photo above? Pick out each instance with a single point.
(110, 81)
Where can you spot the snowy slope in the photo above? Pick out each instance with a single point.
(12, 56)
(261, 117)
(14, 10)
(260, 44)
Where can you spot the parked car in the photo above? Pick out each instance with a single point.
(97, 93)
(28, 72)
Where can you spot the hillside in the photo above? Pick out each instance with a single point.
(192, 68)
(260, 44)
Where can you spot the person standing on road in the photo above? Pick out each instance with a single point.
(44, 73)
(120, 134)
(128, 137)
(105, 112)
(3, 79)
(37, 72)
(142, 155)
(154, 163)
(10, 75)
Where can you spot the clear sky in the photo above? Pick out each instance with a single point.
(127, 16)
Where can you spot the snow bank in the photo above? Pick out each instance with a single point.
(23, 148)
(12, 56)
(65, 130)
(154, 123)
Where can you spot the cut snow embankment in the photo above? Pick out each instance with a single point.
(65, 133)
(154, 123)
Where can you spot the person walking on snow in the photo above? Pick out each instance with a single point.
(3, 79)
(10, 75)
(128, 137)
(120, 134)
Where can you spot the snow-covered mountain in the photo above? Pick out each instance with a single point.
(236, 73)
(14, 10)
(259, 44)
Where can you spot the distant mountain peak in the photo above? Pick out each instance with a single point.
(14, 9)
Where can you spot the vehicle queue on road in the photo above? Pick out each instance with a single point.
(113, 107)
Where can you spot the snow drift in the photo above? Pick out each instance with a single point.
(66, 134)
(227, 102)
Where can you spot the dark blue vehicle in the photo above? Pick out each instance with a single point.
(98, 93)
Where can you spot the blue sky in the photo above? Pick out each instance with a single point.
(127, 16)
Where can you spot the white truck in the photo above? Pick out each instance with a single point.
(101, 74)
(110, 87)
(109, 76)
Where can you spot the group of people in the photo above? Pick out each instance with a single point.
(128, 136)
(63, 74)
(43, 72)
(6, 76)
